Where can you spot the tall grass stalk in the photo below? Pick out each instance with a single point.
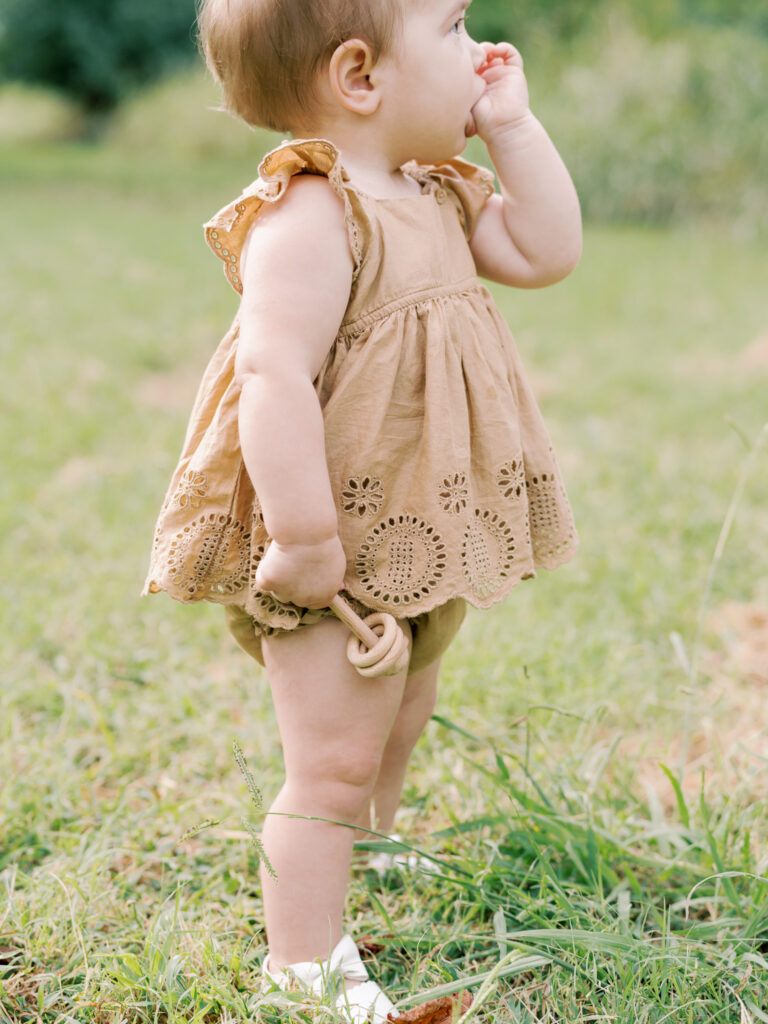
(691, 664)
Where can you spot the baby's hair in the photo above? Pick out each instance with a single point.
(266, 53)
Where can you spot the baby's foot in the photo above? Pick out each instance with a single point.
(364, 1002)
(361, 1001)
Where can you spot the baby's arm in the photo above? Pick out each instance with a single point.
(297, 276)
(530, 235)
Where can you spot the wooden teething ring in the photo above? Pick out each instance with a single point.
(378, 646)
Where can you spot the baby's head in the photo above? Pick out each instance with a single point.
(267, 54)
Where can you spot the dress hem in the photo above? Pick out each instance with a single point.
(291, 616)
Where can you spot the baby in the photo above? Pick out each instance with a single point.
(365, 426)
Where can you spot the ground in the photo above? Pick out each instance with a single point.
(640, 891)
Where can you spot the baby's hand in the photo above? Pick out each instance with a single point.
(505, 100)
(307, 575)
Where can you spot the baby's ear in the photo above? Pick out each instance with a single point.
(349, 73)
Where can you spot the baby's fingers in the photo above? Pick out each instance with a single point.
(498, 54)
(308, 575)
(298, 592)
(270, 583)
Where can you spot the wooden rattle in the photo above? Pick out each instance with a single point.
(378, 646)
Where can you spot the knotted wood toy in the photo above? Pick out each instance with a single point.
(378, 645)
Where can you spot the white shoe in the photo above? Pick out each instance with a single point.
(381, 863)
(366, 1002)
(360, 1005)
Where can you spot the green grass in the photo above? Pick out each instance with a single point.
(598, 887)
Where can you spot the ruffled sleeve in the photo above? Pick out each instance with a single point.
(468, 185)
(227, 231)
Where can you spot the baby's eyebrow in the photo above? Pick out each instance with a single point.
(457, 11)
(460, 8)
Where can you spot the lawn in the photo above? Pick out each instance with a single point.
(594, 784)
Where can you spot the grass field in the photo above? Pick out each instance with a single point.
(580, 880)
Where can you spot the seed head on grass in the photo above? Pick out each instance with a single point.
(201, 827)
(258, 803)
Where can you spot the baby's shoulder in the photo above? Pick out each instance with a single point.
(308, 207)
(299, 199)
(306, 231)
(309, 194)
(305, 217)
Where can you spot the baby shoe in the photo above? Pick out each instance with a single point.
(381, 863)
(360, 1005)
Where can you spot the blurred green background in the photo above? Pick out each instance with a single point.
(116, 713)
(658, 107)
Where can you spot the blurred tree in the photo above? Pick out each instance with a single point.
(97, 50)
(500, 19)
(94, 50)
(659, 17)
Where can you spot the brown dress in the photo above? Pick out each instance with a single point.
(445, 480)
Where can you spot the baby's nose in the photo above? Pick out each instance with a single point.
(478, 55)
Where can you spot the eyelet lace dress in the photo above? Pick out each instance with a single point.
(445, 480)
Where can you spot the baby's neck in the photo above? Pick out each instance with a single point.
(370, 167)
(374, 178)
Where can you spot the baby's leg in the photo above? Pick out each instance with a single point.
(334, 726)
(417, 705)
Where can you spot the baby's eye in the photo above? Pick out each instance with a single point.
(458, 25)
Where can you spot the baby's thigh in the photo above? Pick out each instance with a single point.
(332, 720)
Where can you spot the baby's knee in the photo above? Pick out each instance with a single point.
(343, 787)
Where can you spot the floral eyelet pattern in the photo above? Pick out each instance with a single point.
(192, 489)
(362, 496)
(401, 561)
(453, 493)
(210, 557)
(487, 552)
(284, 616)
(551, 538)
(510, 479)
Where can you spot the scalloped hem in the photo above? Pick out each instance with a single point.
(273, 616)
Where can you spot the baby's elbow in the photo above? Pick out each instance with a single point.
(245, 379)
(560, 264)
(254, 375)
(251, 369)
(567, 261)
(255, 380)
(246, 368)
(255, 361)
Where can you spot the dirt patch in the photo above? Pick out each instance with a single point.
(712, 365)
(727, 742)
(77, 472)
(742, 630)
(755, 356)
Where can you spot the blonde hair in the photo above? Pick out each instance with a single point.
(266, 54)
